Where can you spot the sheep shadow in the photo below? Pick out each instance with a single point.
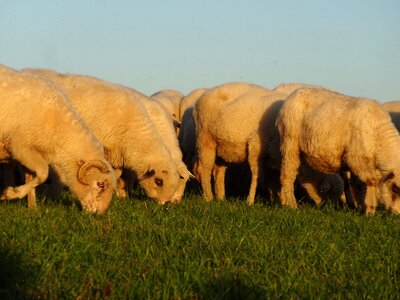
(16, 277)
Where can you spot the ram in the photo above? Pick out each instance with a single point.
(121, 123)
(332, 132)
(40, 128)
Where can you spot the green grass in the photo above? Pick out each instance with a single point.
(197, 250)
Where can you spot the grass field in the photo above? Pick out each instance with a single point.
(197, 250)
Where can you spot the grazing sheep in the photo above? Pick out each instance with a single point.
(40, 128)
(170, 99)
(236, 122)
(354, 188)
(122, 124)
(332, 132)
(163, 123)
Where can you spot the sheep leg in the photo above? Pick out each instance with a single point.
(37, 165)
(370, 200)
(312, 192)
(273, 184)
(254, 163)
(31, 194)
(219, 180)
(368, 176)
(350, 189)
(289, 171)
(206, 162)
(120, 188)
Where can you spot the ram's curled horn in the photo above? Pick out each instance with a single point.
(96, 163)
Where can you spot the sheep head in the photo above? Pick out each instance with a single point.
(331, 186)
(96, 182)
(389, 187)
(160, 181)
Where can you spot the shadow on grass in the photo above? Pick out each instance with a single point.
(230, 287)
(16, 277)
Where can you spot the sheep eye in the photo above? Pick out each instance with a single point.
(159, 182)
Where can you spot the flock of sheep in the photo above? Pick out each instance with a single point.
(96, 138)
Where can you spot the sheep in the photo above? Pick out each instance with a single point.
(332, 132)
(40, 128)
(328, 185)
(122, 124)
(170, 100)
(163, 123)
(355, 188)
(235, 122)
(214, 138)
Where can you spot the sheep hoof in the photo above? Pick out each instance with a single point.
(289, 200)
(250, 202)
(176, 200)
(207, 197)
(370, 210)
(121, 194)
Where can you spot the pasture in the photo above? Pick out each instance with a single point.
(196, 250)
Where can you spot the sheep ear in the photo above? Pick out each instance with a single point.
(147, 174)
(184, 172)
(385, 178)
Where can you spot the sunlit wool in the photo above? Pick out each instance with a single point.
(40, 128)
(121, 123)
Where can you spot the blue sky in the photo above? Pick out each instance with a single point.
(350, 46)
